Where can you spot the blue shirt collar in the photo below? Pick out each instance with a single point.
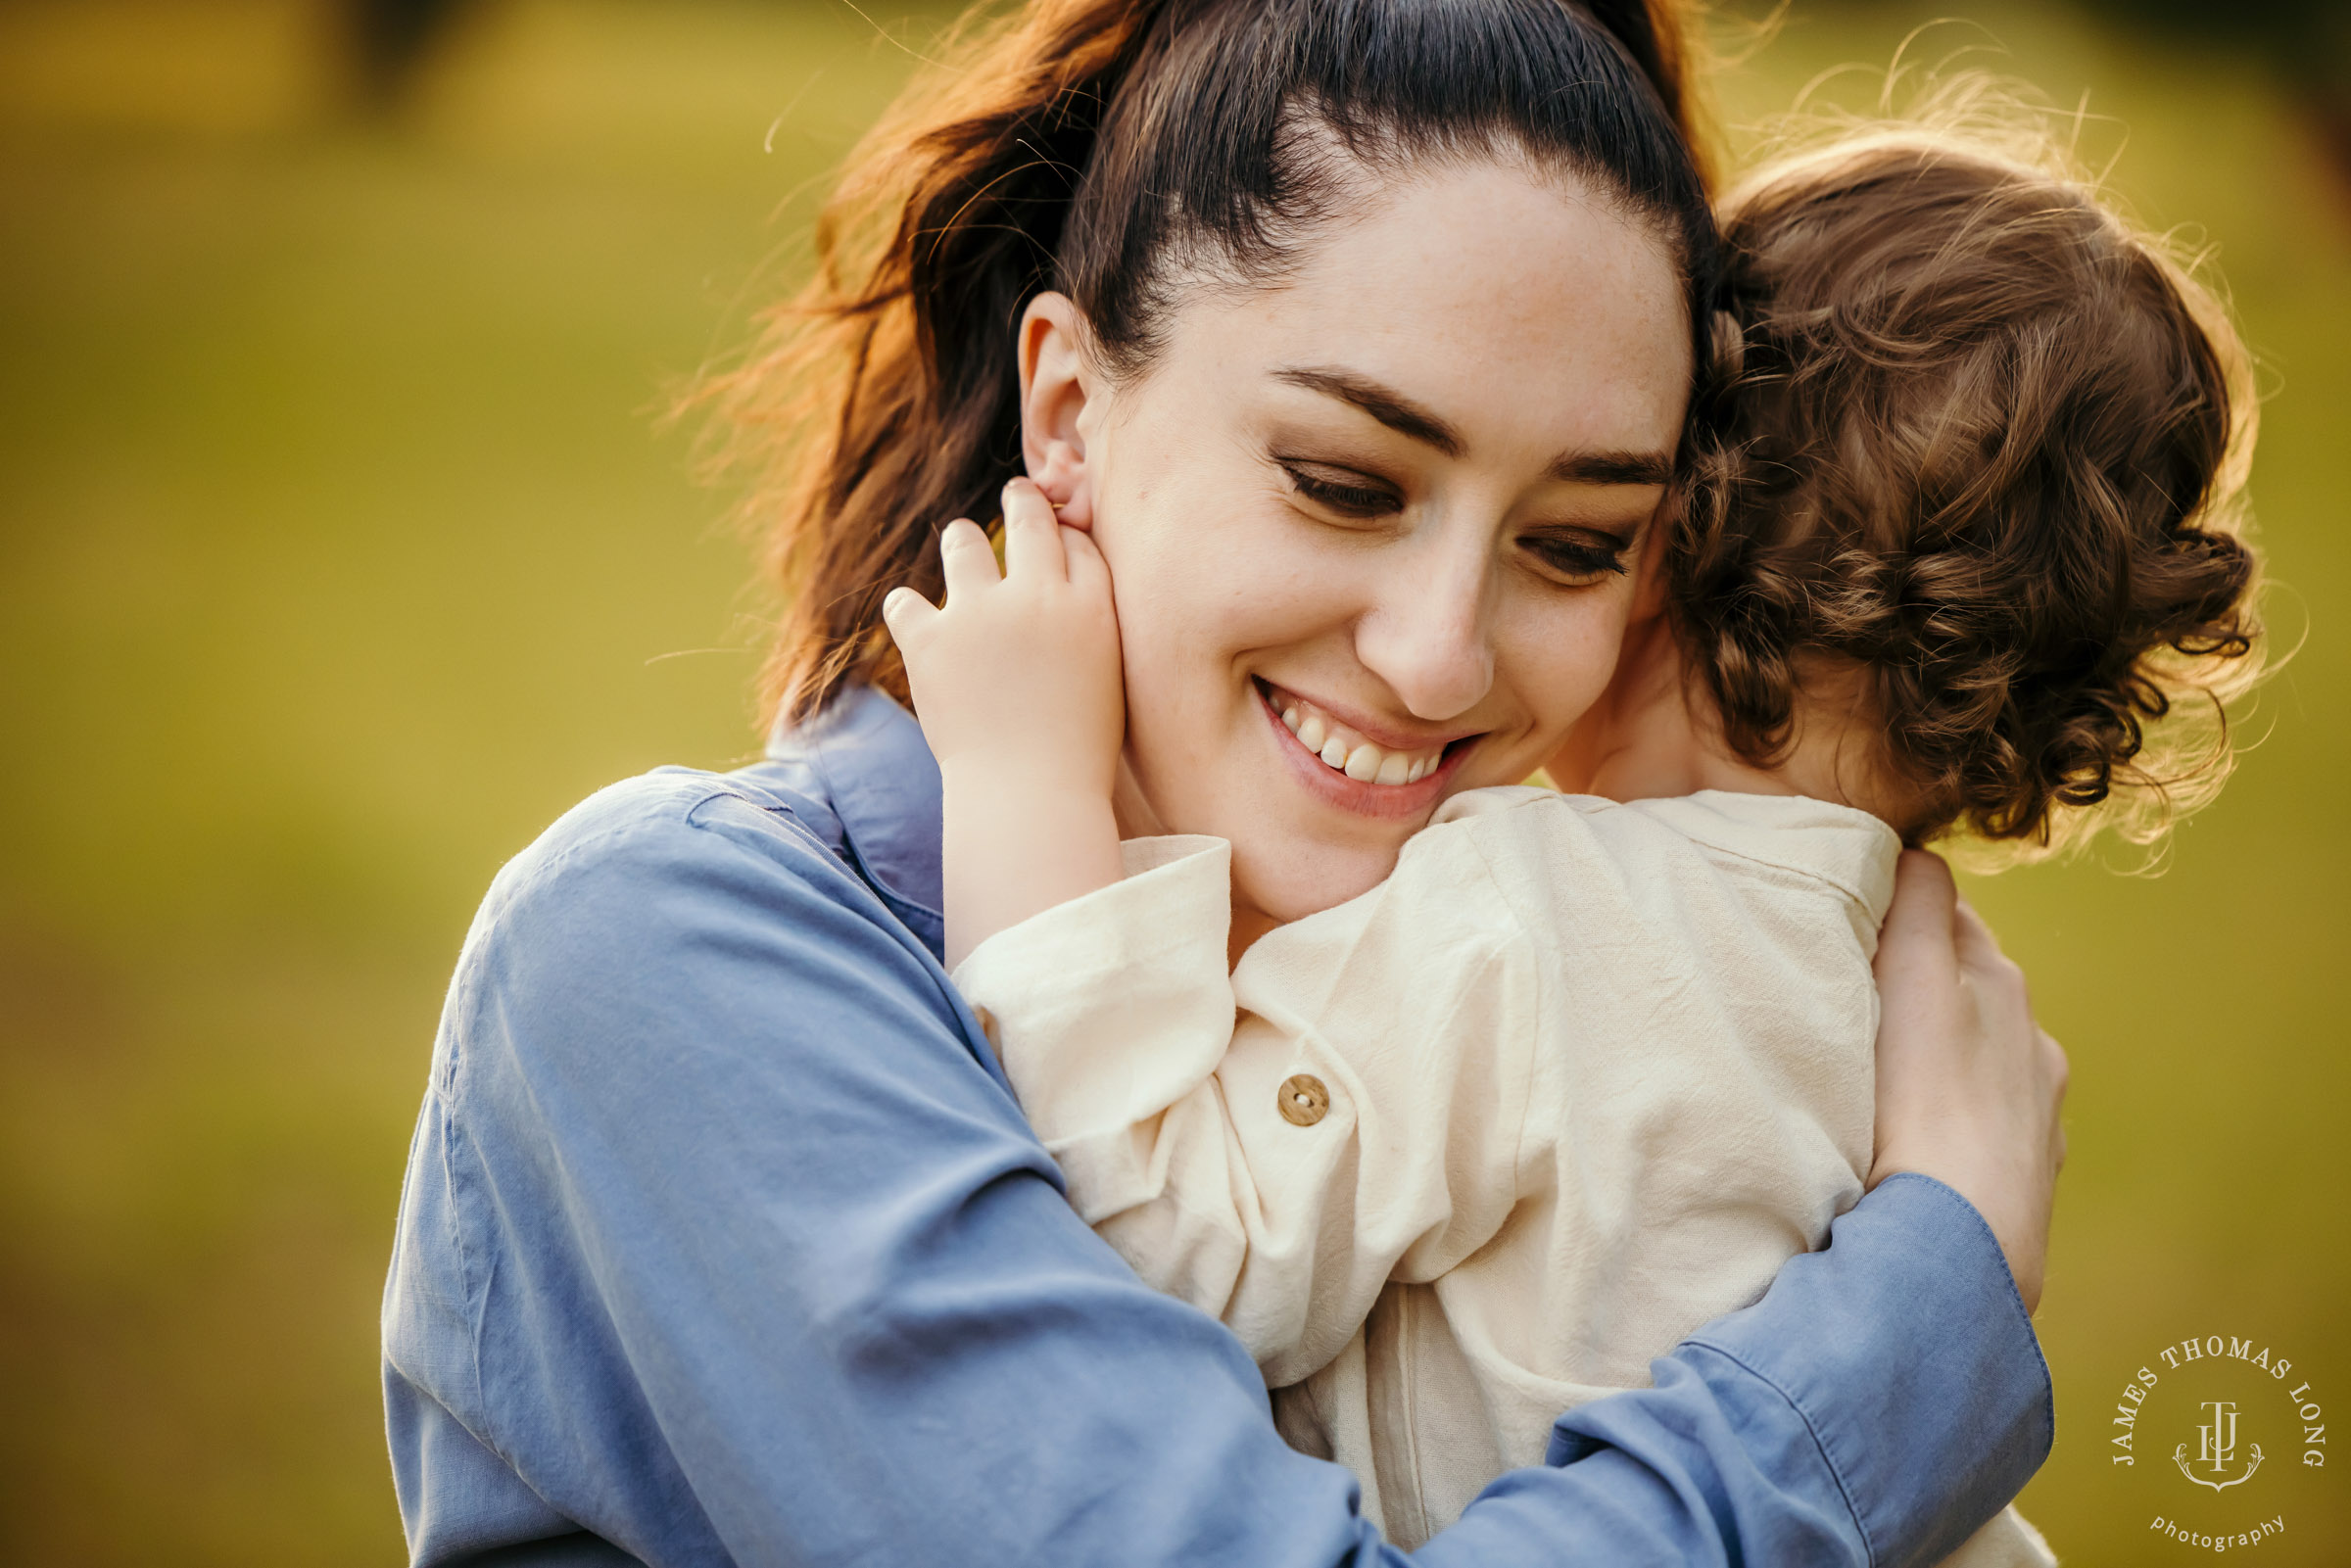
(863, 761)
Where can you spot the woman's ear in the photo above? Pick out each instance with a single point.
(1060, 393)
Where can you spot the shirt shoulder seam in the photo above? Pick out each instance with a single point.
(1522, 939)
(1811, 874)
(683, 809)
(471, 1274)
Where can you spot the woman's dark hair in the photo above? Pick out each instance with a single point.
(1980, 448)
(1109, 149)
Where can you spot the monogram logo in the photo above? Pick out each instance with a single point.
(2238, 1396)
(2217, 1448)
(2225, 1367)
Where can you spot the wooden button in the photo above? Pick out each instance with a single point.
(1304, 1100)
(987, 1028)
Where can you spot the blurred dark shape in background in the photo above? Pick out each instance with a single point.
(2305, 43)
(391, 38)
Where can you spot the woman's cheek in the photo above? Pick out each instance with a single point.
(1593, 650)
(1234, 581)
(1185, 615)
(1565, 659)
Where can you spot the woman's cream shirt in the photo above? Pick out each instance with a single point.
(1476, 1146)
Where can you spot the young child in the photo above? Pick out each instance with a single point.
(1581, 1074)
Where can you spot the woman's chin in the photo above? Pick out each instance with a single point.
(1286, 881)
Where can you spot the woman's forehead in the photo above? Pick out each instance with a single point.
(1502, 304)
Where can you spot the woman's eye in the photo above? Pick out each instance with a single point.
(1581, 560)
(1349, 497)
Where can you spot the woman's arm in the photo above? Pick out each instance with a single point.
(721, 1242)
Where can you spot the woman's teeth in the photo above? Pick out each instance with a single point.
(1343, 753)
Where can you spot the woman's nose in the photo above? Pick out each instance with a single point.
(1427, 633)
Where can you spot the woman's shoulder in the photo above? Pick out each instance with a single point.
(635, 844)
(842, 810)
(679, 915)
(668, 894)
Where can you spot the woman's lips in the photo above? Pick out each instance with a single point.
(1344, 766)
(1345, 750)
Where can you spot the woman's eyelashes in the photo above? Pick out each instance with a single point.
(1344, 491)
(1579, 557)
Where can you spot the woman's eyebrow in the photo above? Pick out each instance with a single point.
(1405, 417)
(1383, 403)
(1613, 467)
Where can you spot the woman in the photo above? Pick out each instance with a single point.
(723, 1239)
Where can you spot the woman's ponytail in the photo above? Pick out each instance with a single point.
(1660, 37)
(883, 400)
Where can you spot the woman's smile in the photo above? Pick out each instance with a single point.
(1358, 764)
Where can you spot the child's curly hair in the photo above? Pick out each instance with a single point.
(1980, 443)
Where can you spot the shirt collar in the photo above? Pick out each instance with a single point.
(863, 757)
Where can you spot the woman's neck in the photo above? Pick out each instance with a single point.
(1137, 819)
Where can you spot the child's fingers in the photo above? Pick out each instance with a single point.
(1032, 536)
(903, 611)
(1088, 569)
(965, 556)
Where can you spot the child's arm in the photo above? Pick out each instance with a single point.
(1016, 682)
(1361, 1122)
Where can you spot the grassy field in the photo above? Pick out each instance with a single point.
(339, 553)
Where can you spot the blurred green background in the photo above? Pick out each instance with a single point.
(340, 552)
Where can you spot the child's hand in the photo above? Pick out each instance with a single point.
(1017, 679)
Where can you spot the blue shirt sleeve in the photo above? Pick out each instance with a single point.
(720, 1244)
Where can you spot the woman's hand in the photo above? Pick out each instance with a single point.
(1017, 686)
(1969, 1087)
